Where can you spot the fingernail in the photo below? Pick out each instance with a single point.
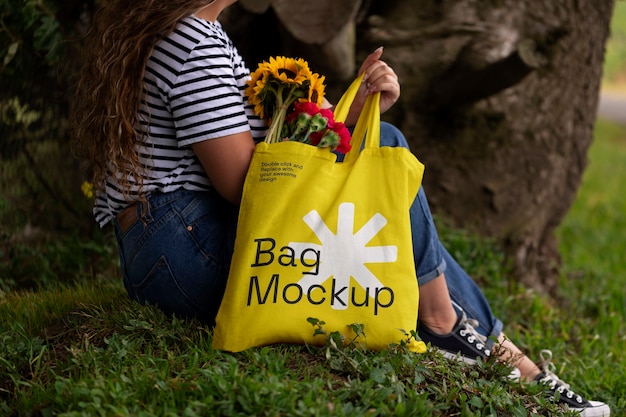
(380, 48)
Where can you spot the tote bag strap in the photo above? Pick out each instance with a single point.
(368, 124)
(343, 106)
(367, 128)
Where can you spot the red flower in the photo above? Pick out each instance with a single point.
(344, 138)
(316, 138)
(307, 107)
(309, 124)
(327, 113)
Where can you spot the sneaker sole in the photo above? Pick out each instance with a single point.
(598, 409)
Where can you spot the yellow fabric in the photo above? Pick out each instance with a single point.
(325, 240)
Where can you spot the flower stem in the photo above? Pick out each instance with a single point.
(273, 134)
(278, 118)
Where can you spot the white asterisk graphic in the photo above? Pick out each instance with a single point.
(344, 254)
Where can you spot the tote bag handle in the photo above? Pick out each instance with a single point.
(367, 126)
(343, 106)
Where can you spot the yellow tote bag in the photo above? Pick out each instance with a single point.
(323, 239)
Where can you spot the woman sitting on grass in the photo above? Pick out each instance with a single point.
(164, 126)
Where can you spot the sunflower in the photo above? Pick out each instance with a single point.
(254, 91)
(289, 70)
(317, 89)
(276, 84)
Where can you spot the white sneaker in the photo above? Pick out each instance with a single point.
(562, 394)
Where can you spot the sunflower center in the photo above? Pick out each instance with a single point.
(290, 74)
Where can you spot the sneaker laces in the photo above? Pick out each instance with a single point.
(471, 335)
(555, 383)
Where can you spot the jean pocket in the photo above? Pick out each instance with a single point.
(160, 287)
(212, 227)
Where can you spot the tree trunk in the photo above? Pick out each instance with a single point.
(498, 100)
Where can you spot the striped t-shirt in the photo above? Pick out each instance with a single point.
(194, 83)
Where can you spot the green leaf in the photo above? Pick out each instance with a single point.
(476, 402)
(11, 51)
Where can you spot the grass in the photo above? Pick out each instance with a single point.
(87, 351)
(615, 60)
(598, 216)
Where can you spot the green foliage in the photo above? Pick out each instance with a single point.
(39, 55)
(31, 46)
(42, 262)
(88, 351)
(47, 234)
(592, 243)
(615, 59)
(34, 36)
(597, 214)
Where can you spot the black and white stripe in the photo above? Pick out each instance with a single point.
(194, 84)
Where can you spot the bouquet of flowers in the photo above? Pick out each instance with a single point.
(288, 96)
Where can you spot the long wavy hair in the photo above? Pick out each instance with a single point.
(110, 87)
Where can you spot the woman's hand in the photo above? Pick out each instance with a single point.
(379, 78)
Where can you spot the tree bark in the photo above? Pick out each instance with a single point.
(499, 101)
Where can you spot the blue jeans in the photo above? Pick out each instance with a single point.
(179, 255)
(432, 259)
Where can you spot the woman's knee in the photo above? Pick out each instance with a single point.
(390, 135)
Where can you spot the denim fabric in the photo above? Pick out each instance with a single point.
(178, 257)
(466, 295)
(432, 259)
(427, 249)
